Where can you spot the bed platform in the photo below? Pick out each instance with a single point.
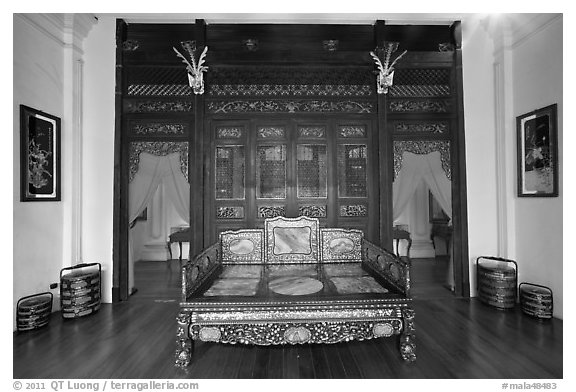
(294, 283)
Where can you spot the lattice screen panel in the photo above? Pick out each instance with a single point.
(352, 170)
(312, 170)
(230, 172)
(271, 172)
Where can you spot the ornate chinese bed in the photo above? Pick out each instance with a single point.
(293, 283)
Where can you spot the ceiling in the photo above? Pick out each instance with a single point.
(517, 25)
(293, 18)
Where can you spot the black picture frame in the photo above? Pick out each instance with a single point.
(537, 153)
(40, 175)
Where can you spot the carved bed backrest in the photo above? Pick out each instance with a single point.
(242, 246)
(200, 269)
(291, 240)
(393, 269)
(341, 245)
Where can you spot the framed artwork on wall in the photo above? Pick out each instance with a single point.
(39, 156)
(538, 153)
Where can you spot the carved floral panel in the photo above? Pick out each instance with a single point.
(419, 106)
(312, 131)
(348, 131)
(158, 129)
(157, 106)
(353, 210)
(159, 149)
(271, 132)
(229, 132)
(290, 106)
(312, 211)
(230, 212)
(271, 211)
(440, 127)
(422, 147)
(288, 90)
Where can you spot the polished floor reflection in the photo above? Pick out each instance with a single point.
(430, 277)
(456, 338)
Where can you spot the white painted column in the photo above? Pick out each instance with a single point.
(75, 29)
(505, 140)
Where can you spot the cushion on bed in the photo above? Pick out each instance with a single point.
(357, 285)
(350, 269)
(231, 286)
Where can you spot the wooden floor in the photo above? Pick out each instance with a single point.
(456, 338)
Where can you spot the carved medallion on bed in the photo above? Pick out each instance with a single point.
(294, 283)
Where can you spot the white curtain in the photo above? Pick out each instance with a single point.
(416, 168)
(154, 171)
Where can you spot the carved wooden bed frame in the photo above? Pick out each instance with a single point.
(264, 317)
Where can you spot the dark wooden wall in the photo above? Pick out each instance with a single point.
(156, 109)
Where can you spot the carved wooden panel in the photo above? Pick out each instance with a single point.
(312, 210)
(353, 210)
(422, 147)
(157, 128)
(271, 132)
(419, 106)
(312, 131)
(271, 211)
(159, 148)
(229, 132)
(158, 106)
(426, 127)
(290, 106)
(340, 245)
(352, 131)
(230, 212)
(242, 246)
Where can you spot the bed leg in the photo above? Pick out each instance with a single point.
(407, 338)
(184, 344)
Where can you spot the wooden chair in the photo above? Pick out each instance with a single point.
(401, 234)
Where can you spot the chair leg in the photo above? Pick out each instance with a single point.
(169, 249)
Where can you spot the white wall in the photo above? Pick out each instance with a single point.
(505, 76)
(37, 226)
(479, 114)
(98, 148)
(537, 70)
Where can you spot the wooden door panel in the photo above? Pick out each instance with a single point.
(321, 168)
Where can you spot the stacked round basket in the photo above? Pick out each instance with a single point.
(536, 300)
(80, 290)
(497, 280)
(33, 311)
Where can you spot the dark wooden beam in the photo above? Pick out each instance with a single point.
(289, 44)
(120, 209)
(459, 194)
(386, 155)
(197, 176)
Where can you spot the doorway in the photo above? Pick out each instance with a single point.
(422, 201)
